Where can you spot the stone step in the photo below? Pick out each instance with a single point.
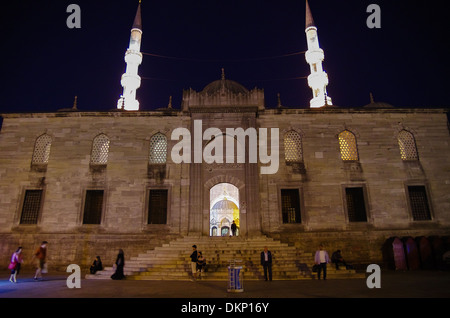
(171, 261)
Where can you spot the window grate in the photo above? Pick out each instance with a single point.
(31, 207)
(93, 207)
(356, 208)
(293, 147)
(158, 149)
(347, 146)
(419, 203)
(290, 206)
(157, 206)
(41, 152)
(100, 150)
(407, 145)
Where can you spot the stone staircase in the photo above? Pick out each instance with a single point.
(172, 262)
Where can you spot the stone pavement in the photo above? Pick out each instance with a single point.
(407, 285)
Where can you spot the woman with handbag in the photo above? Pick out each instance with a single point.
(14, 265)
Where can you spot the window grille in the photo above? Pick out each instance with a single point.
(290, 206)
(356, 207)
(41, 151)
(407, 145)
(93, 207)
(157, 206)
(158, 149)
(419, 203)
(100, 150)
(293, 147)
(31, 207)
(347, 146)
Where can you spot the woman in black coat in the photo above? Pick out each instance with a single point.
(120, 262)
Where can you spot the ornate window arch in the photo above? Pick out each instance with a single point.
(293, 151)
(41, 152)
(158, 149)
(407, 145)
(100, 150)
(347, 146)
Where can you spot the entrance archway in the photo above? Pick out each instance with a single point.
(224, 209)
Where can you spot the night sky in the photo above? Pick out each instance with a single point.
(45, 64)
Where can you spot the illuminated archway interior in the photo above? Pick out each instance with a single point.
(224, 209)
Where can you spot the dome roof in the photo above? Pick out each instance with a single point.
(374, 104)
(224, 85)
(225, 205)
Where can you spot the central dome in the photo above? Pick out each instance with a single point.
(225, 205)
(223, 85)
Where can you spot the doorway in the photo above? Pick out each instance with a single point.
(224, 209)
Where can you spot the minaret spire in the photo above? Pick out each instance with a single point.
(131, 81)
(318, 79)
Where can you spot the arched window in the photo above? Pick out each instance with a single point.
(293, 147)
(158, 149)
(407, 145)
(41, 152)
(347, 146)
(100, 150)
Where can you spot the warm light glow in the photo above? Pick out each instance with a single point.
(347, 146)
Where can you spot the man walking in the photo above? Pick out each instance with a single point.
(266, 262)
(41, 254)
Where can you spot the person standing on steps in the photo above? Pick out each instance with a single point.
(266, 262)
(194, 259)
(322, 259)
(233, 228)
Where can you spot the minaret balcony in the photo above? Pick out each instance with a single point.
(130, 81)
(314, 56)
(318, 80)
(133, 57)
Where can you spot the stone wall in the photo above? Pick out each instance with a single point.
(127, 177)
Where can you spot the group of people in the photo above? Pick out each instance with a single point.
(17, 260)
(118, 266)
(321, 259)
(198, 263)
(41, 256)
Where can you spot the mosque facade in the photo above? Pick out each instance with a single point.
(90, 183)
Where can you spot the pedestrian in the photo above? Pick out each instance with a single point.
(321, 258)
(119, 264)
(41, 255)
(194, 258)
(96, 265)
(233, 228)
(266, 262)
(201, 263)
(14, 265)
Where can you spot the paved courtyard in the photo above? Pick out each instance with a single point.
(52, 289)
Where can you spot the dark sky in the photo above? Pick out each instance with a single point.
(45, 64)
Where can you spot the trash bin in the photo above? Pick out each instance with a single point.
(235, 277)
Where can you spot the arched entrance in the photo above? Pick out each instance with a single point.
(224, 209)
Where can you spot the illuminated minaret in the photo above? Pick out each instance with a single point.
(131, 81)
(318, 79)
